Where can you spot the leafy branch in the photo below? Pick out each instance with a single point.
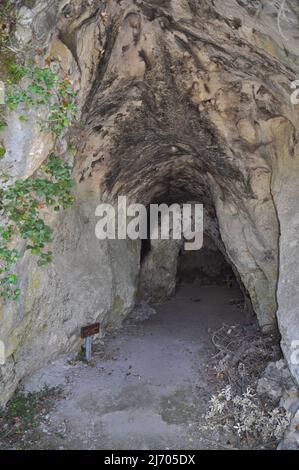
(44, 87)
(41, 87)
(21, 205)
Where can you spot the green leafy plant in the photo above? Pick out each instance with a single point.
(24, 203)
(3, 126)
(44, 87)
(2, 150)
(21, 206)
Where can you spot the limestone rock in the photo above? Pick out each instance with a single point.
(277, 382)
(291, 438)
(157, 279)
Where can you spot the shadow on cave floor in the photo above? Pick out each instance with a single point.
(149, 385)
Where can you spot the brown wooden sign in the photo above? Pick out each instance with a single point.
(90, 330)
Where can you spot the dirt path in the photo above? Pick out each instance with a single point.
(148, 386)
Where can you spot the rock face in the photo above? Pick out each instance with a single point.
(180, 100)
(157, 279)
(277, 383)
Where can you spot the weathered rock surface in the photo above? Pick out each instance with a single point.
(157, 279)
(277, 383)
(180, 100)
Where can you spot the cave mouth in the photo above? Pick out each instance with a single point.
(166, 267)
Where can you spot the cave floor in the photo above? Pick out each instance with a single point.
(148, 386)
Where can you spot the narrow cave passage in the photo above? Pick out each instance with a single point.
(166, 266)
(150, 383)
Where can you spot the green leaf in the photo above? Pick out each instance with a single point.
(3, 126)
(2, 151)
(13, 279)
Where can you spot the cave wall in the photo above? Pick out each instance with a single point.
(157, 277)
(181, 98)
(89, 281)
(285, 194)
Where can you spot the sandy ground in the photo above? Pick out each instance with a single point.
(148, 386)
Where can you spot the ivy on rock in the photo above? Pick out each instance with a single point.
(42, 86)
(24, 203)
(21, 206)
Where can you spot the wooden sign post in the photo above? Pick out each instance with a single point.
(87, 333)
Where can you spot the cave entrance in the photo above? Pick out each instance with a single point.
(166, 268)
(201, 282)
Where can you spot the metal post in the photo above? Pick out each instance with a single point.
(88, 348)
